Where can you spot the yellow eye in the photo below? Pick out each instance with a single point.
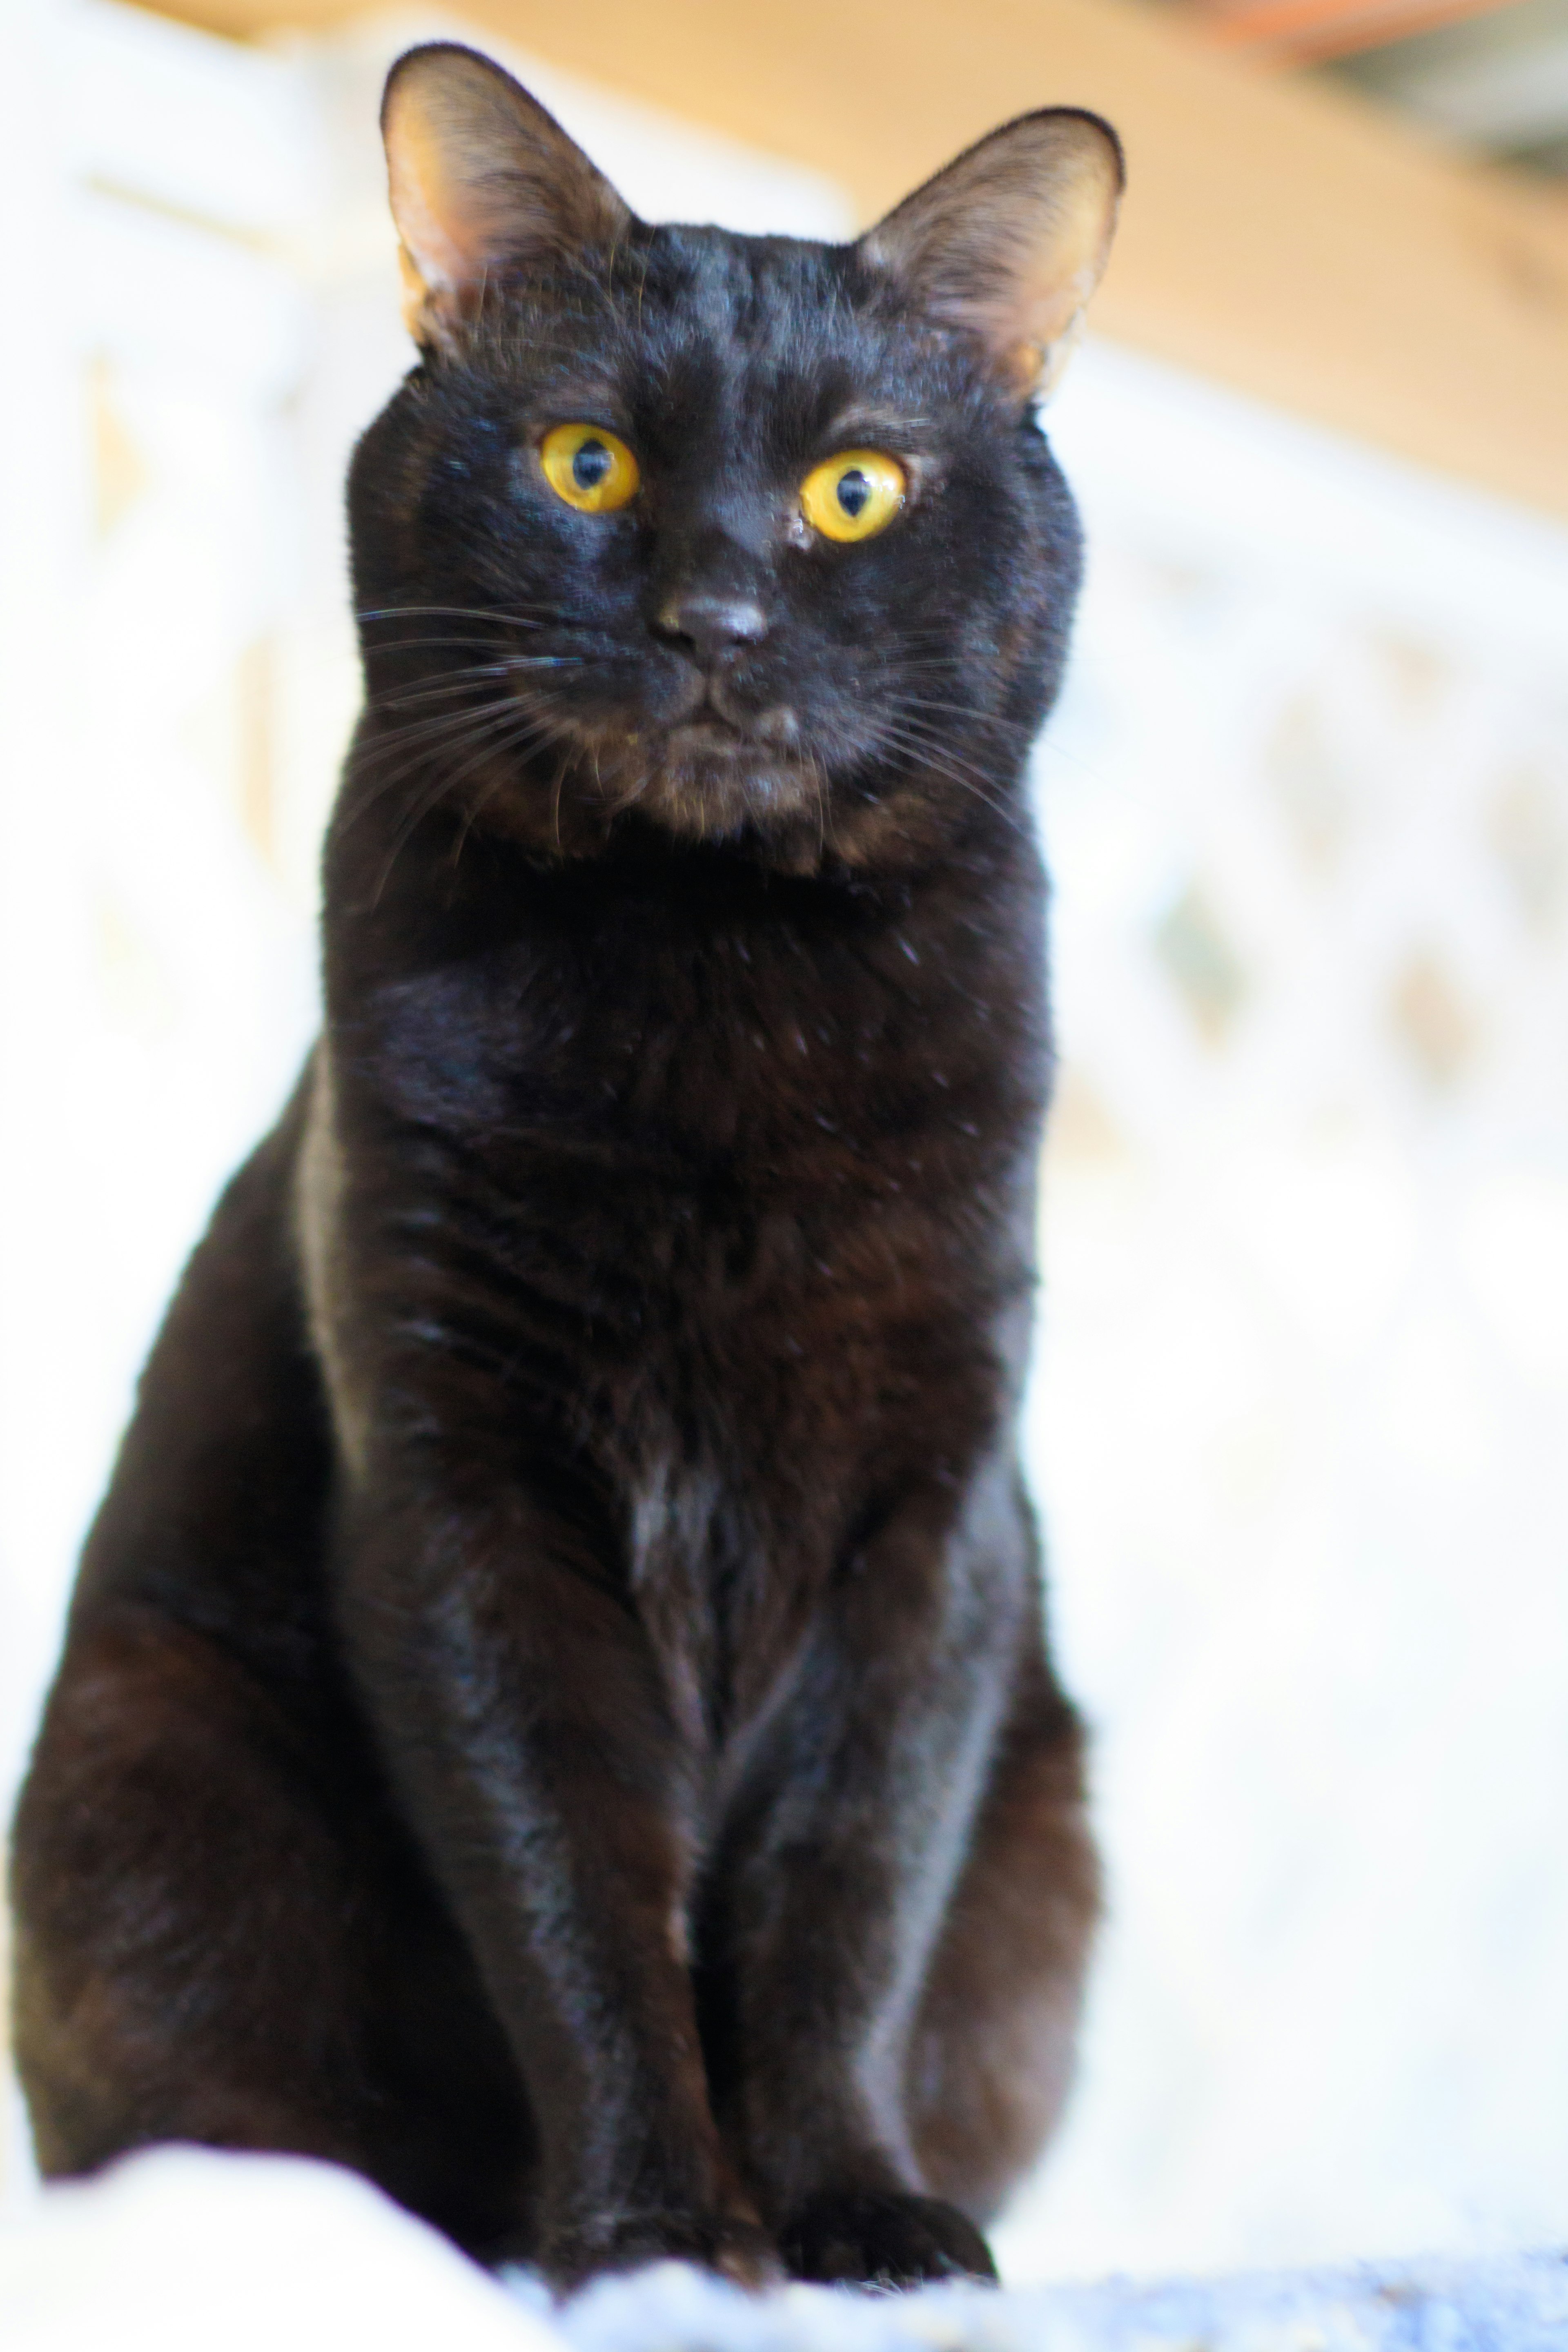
(589, 467)
(854, 494)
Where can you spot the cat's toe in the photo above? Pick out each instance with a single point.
(737, 2249)
(877, 2239)
(747, 2256)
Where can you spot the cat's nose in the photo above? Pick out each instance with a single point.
(713, 625)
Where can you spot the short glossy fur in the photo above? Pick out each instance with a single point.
(556, 1711)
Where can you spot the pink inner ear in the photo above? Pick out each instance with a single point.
(443, 230)
(479, 175)
(1059, 280)
(424, 220)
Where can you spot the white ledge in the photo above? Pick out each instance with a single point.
(189, 2252)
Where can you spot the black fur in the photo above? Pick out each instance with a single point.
(556, 1711)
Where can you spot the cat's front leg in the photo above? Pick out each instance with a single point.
(529, 1737)
(863, 1815)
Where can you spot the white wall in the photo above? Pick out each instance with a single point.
(1299, 1422)
(1300, 1427)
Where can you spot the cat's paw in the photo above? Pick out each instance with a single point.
(741, 2252)
(880, 2239)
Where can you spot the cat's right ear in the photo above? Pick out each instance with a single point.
(482, 182)
(1008, 242)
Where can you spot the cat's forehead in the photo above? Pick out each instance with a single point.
(749, 287)
(718, 334)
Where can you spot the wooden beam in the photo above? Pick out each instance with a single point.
(1290, 239)
(1292, 32)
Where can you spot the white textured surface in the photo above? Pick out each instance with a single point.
(1518, 2305)
(183, 2251)
(179, 2250)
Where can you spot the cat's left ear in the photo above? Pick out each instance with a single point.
(1009, 242)
(483, 182)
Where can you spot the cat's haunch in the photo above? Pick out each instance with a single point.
(556, 1711)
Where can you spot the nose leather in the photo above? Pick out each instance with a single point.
(713, 626)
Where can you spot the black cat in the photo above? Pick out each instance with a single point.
(556, 1713)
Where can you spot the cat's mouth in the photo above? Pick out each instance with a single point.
(711, 750)
(707, 735)
(714, 774)
(717, 775)
(713, 731)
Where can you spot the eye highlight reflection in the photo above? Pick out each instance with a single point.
(853, 495)
(589, 467)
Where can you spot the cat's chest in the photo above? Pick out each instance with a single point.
(678, 1076)
(725, 1192)
(739, 1230)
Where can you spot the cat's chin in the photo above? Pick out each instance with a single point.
(712, 782)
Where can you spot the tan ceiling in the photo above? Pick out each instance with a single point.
(1284, 236)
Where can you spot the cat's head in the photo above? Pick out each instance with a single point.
(755, 538)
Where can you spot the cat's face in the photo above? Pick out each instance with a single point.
(753, 537)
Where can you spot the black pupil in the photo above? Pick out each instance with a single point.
(590, 464)
(854, 490)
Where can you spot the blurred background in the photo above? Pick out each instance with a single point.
(1298, 1428)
